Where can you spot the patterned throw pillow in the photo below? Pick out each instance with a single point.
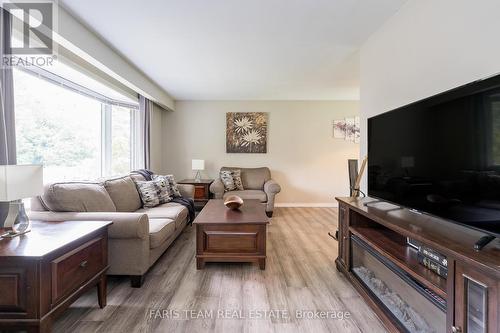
(172, 184)
(231, 180)
(154, 192)
(237, 180)
(226, 177)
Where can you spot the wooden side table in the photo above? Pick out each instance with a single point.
(44, 271)
(201, 191)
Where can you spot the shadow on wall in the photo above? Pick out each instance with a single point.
(289, 192)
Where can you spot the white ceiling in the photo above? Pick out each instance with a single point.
(241, 49)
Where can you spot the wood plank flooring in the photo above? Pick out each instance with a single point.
(300, 276)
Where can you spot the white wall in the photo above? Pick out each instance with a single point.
(428, 47)
(303, 156)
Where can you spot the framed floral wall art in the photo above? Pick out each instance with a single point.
(246, 132)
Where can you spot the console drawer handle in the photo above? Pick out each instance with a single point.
(83, 264)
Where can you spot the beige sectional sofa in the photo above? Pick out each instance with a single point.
(137, 237)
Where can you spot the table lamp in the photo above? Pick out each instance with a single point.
(17, 182)
(198, 165)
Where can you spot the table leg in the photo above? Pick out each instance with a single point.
(101, 291)
(262, 263)
(200, 263)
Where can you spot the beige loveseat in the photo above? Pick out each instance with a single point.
(257, 184)
(137, 237)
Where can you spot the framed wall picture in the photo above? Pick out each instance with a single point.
(347, 129)
(246, 132)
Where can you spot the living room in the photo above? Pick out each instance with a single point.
(250, 166)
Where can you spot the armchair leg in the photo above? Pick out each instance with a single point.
(136, 281)
(269, 214)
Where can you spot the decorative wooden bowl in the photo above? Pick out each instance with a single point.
(233, 202)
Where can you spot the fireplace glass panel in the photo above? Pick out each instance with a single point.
(476, 295)
(409, 306)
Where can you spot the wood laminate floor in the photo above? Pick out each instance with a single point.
(300, 276)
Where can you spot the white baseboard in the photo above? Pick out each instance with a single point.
(307, 204)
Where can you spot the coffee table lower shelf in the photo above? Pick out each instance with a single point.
(202, 259)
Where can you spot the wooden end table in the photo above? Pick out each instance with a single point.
(224, 235)
(201, 191)
(45, 270)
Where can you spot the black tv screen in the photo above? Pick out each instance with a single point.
(441, 155)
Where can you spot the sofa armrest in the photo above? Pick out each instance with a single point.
(186, 190)
(125, 225)
(217, 188)
(272, 187)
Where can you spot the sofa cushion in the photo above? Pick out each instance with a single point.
(159, 231)
(254, 178)
(77, 197)
(169, 210)
(248, 194)
(123, 193)
(137, 177)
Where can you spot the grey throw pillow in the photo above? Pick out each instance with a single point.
(173, 189)
(154, 192)
(231, 180)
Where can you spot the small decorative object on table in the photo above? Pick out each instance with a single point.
(233, 202)
(16, 183)
(198, 165)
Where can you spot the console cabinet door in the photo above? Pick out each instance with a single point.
(476, 301)
(343, 246)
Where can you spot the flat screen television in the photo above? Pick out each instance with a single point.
(441, 155)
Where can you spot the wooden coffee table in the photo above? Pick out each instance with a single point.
(224, 235)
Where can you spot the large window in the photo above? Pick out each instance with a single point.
(73, 132)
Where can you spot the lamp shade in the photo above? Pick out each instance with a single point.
(20, 181)
(198, 165)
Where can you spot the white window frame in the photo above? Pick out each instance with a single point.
(106, 119)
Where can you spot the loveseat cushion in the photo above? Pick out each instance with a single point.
(77, 197)
(124, 194)
(170, 210)
(248, 194)
(159, 231)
